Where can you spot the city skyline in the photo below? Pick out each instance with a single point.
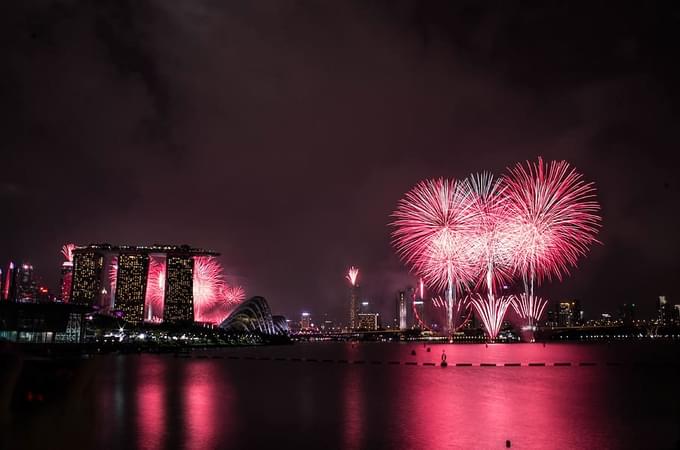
(277, 172)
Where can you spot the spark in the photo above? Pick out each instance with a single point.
(352, 275)
(155, 288)
(529, 307)
(67, 251)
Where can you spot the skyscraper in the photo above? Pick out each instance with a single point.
(401, 310)
(131, 285)
(354, 306)
(179, 296)
(26, 290)
(87, 277)
(66, 280)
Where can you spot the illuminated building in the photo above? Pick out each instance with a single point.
(66, 280)
(401, 310)
(131, 285)
(179, 281)
(305, 321)
(627, 313)
(254, 316)
(26, 290)
(87, 277)
(569, 314)
(353, 306)
(663, 310)
(9, 287)
(368, 321)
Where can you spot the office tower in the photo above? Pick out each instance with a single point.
(368, 321)
(66, 280)
(305, 321)
(8, 285)
(131, 285)
(353, 306)
(564, 314)
(179, 296)
(663, 310)
(401, 310)
(87, 277)
(26, 290)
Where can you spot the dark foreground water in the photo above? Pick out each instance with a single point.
(368, 395)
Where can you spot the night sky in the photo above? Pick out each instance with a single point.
(282, 134)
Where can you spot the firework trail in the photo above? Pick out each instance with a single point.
(553, 216)
(155, 289)
(352, 275)
(529, 307)
(67, 251)
(493, 247)
(432, 225)
(113, 274)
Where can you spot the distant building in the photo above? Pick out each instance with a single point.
(663, 310)
(179, 295)
(66, 281)
(26, 290)
(402, 310)
(9, 286)
(131, 285)
(569, 314)
(87, 278)
(41, 322)
(353, 306)
(628, 313)
(306, 321)
(369, 321)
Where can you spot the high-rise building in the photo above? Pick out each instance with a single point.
(66, 280)
(87, 277)
(26, 290)
(663, 307)
(401, 310)
(131, 285)
(368, 321)
(8, 288)
(305, 321)
(179, 295)
(564, 314)
(628, 313)
(353, 306)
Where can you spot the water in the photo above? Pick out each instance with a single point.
(211, 401)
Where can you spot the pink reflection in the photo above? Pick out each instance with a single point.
(151, 408)
(203, 419)
(353, 407)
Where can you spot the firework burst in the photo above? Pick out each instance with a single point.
(553, 217)
(352, 275)
(432, 224)
(214, 298)
(491, 311)
(67, 251)
(155, 289)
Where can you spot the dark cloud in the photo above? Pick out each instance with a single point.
(283, 133)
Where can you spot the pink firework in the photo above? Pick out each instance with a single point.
(529, 308)
(553, 214)
(432, 226)
(493, 246)
(155, 289)
(352, 275)
(491, 311)
(67, 251)
(214, 298)
(113, 274)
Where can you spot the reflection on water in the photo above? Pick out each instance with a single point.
(156, 401)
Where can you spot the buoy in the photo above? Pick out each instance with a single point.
(428, 349)
(443, 363)
(413, 352)
(508, 444)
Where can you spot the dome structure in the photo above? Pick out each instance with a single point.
(254, 316)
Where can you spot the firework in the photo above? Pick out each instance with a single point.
(67, 251)
(491, 311)
(553, 216)
(493, 247)
(433, 223)
(529, 307)
(214, 298)
(155, 289)
(352, 275)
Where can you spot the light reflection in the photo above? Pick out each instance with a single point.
(203, 421)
